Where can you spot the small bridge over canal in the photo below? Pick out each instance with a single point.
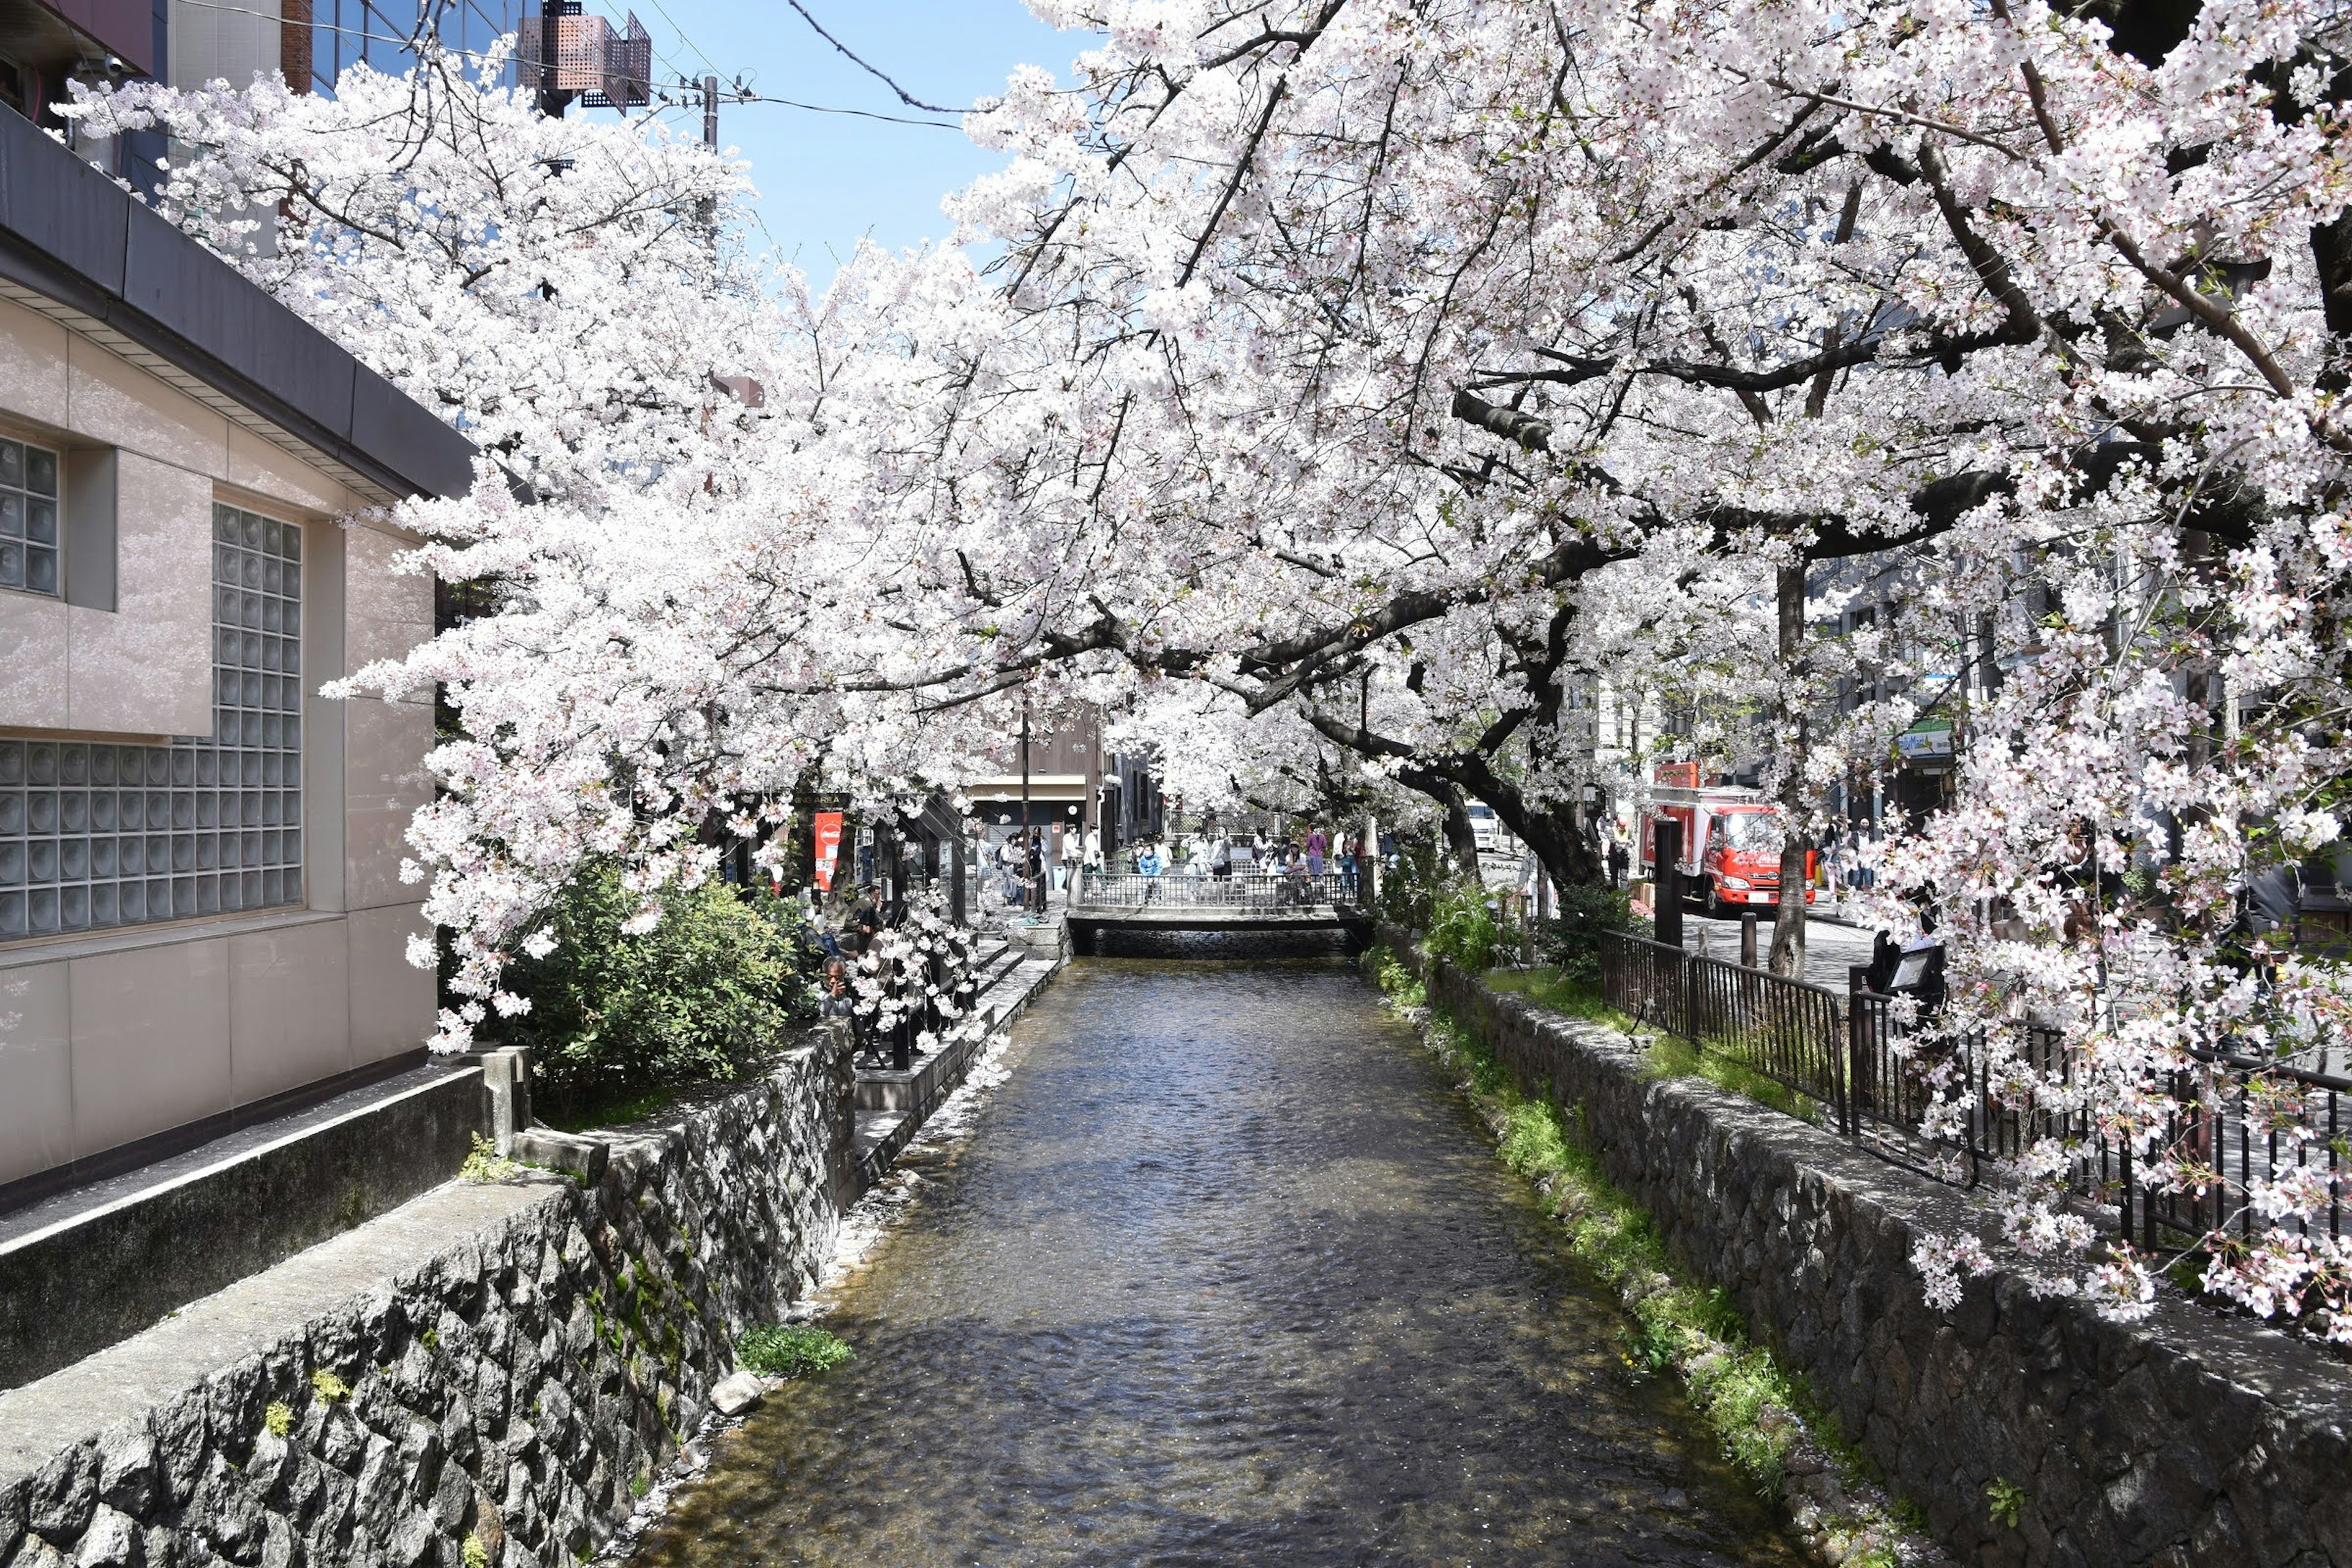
(1252, 916)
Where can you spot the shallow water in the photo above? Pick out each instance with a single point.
(1227, 1274)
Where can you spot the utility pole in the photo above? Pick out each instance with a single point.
(1025, 798)
(708, 205)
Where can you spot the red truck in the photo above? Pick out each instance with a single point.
(1731, 840)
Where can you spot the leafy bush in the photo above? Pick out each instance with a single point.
(707, 993)
(486, 1163)
(778, 1349)
(1410, 887)
(1395, 981)
(1570, 942)
(1465, 932)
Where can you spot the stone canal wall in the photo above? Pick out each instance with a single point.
(2186, 1440)
(507, 1361)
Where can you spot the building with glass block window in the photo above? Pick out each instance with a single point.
(202, 919)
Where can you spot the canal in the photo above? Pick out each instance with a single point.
(1226, 1274)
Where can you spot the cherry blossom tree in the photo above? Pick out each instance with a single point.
(1397, 374)
(563, 289)
(693, 515)
(1468, 348)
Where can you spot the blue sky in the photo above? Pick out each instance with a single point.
(824, 179)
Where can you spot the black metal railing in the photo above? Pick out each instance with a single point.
(1242, 891)
(912, 993)
(1857, 1056)
(1790, 1031)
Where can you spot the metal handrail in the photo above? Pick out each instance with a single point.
(1133, 891)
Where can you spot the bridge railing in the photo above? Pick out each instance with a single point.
(1241, 892)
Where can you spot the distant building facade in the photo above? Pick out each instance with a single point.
(1075, 786)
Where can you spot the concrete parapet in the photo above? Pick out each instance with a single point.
(71, 1287)
(2192, 1439)
(509, 1362)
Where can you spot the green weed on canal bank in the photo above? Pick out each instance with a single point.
(1766, 1419)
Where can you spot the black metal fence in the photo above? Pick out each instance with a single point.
(1790, 1031)
(1852, 1053)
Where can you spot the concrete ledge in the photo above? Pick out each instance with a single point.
(885, 1130)
(887, 1088)
(125, 1381)
(92, 1278)
(2193, 1439)
(508, 1362)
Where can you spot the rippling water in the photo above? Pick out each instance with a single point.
(1226, 1275)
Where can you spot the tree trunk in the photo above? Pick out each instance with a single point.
(1461, 839)
(1789, 917)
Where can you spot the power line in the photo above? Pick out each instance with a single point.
(822, 109)
(908, 98)
(710, 63)
(691, 97)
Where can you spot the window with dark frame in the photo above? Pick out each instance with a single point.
(98, 836)
(28, 519)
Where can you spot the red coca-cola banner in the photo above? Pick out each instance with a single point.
(828, 846)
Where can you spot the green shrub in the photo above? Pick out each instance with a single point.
(1410, 884)
(486, 1163)
(709, 991)
(795, 1350)
(1464, 930)
(1570, 940)
(1395, 981)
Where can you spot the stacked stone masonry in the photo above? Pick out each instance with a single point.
(518, 1387)
(2192, 1439)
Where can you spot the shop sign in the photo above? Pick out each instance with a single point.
(828, 846)
(1930, 740)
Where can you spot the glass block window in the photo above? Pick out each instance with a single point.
(95, 837)
(28, 517)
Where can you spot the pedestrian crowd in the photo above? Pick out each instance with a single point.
(1296, 863)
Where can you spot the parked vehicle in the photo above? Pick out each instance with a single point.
(1486, 828)
(1732, 839)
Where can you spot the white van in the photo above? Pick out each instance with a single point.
(1486, 828)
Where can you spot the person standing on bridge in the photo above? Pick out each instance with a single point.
(1316, 845)
(1298, 890)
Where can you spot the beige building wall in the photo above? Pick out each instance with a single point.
(108, 1037)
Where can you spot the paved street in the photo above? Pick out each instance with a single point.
(1830, 948)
